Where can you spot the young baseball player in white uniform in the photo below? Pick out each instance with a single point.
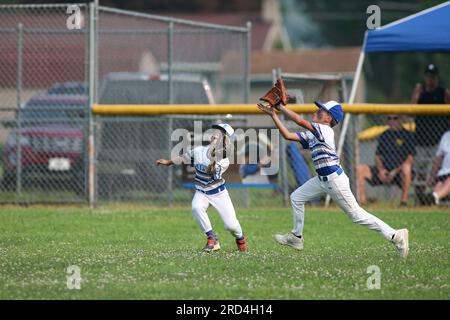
(210, 163)
(331, 179)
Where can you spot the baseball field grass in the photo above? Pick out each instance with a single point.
(139, 252)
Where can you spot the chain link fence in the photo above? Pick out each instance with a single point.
(56, 60)
(398, 144)
(44, 106)
(127, 170)
(59, 59)
(147, 59)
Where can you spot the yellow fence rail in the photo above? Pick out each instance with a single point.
(163, 109)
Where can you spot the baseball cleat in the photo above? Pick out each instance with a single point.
(289, 239)
(212, 244)
(242, 244)
(401, 242)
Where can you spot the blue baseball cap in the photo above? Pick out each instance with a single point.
(334, 108)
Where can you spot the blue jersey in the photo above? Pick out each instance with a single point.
(323, 150)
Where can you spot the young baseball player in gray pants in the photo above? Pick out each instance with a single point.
(331, 179)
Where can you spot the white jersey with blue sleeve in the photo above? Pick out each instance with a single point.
(198, 157)
(322, 146)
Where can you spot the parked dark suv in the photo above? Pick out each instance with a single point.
(52, 143)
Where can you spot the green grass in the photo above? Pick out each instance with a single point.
(140, 252)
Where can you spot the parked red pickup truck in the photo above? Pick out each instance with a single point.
(52, 143)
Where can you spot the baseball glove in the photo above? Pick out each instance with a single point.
(276, 95)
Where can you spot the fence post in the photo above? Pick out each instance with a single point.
(284, 178)
(348, 159)
(19, 109)
(170, 177)
(170, 61)
(356, 152)
(276, 73)
(247, 68)
(171, 101)
(92, 97)
(88, 111)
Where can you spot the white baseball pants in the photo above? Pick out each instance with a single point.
(338, 187)
(222, 202)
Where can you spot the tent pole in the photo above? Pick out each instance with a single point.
(348, 116)
(350, 101)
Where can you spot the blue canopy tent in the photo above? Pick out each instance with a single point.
(425, 31)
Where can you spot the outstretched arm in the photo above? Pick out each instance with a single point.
(297, 118)
(168, 162)
(164, 162)
(284, 131)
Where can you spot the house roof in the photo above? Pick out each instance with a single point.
(329, 60)
(333, 60)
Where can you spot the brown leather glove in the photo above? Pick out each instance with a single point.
(276, 95)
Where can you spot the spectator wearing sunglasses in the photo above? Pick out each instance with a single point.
(394, 159)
